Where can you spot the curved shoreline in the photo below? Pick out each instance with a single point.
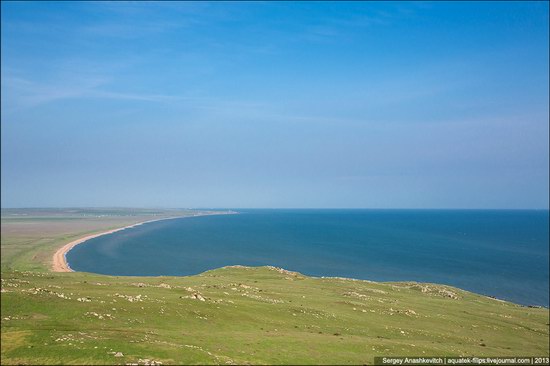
(60, 263)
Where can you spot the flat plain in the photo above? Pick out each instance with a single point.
(231, 315)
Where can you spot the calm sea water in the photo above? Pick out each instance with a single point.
(499, 253)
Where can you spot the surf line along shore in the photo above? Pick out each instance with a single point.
(60, 263)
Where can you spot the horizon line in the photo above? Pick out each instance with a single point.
(270, 208)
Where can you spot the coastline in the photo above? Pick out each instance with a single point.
(60, 263)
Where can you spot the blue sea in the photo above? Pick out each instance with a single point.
(500, 253)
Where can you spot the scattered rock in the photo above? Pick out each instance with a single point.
(410, 312)
(148, 362)
(284, 271)
(130, 298)
(198, 296)
(436, 290)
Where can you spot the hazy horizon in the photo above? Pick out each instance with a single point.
(369, 105)
(270, 208)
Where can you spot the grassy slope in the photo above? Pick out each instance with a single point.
(250, 315)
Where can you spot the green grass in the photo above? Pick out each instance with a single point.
(249, 316)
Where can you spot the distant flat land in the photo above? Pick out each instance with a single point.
(232, 315)
(30, 237)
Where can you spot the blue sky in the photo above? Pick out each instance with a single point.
(279, 104)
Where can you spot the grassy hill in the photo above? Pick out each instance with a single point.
(234, 315)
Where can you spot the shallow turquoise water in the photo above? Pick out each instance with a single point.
(498, 253)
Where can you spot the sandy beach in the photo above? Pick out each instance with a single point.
(60, 263)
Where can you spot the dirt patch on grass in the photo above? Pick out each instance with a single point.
(13, 340)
